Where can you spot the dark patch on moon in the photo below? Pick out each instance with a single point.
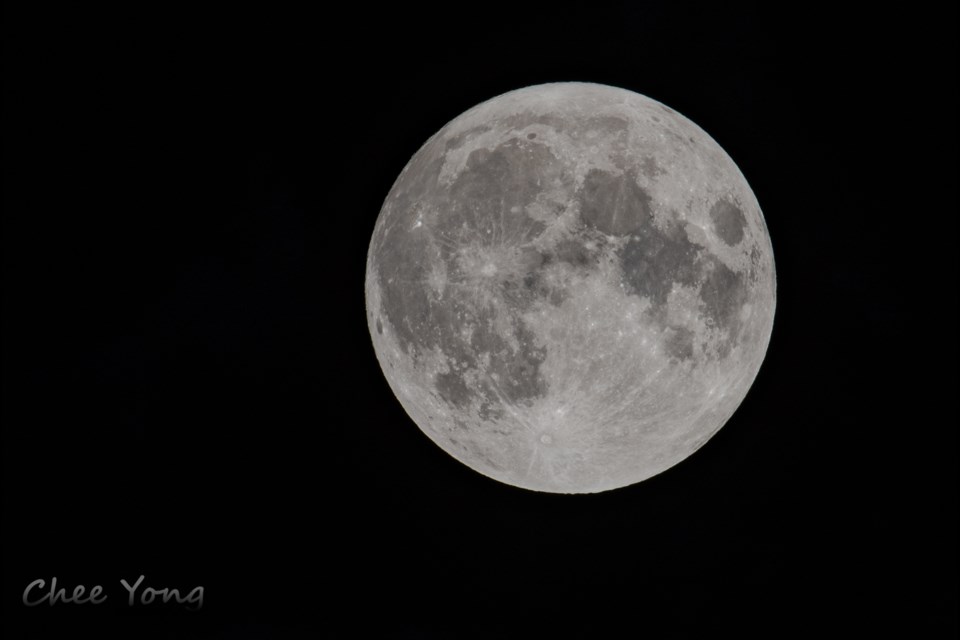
(723, 294)
(577, 254)
(650, 168)
(379, 326)
(407, 308)
(489, 409)
(522, 290)
(613, 204)
(653, 260)
(679, 343)
(453, 388)
(508, 366)
(464, 320)
(728, 221)
(756, 265)
(517, 371)
(606, 125)
(493, 185)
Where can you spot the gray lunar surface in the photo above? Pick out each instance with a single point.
(570, 288)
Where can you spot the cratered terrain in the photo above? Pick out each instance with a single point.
(570, 288)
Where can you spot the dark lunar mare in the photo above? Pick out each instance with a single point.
(656, 258)
(480, 213)
(728, 221)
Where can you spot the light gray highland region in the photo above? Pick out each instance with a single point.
(570, 288)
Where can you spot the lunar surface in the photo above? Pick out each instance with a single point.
(570, 288)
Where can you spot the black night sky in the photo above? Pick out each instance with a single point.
(190, 392)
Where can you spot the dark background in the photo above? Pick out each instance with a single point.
(190, 392)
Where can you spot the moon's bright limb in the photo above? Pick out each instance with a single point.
(570, 288)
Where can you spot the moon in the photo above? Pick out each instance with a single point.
(570, 288)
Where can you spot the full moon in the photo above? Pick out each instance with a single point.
(570, 288)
